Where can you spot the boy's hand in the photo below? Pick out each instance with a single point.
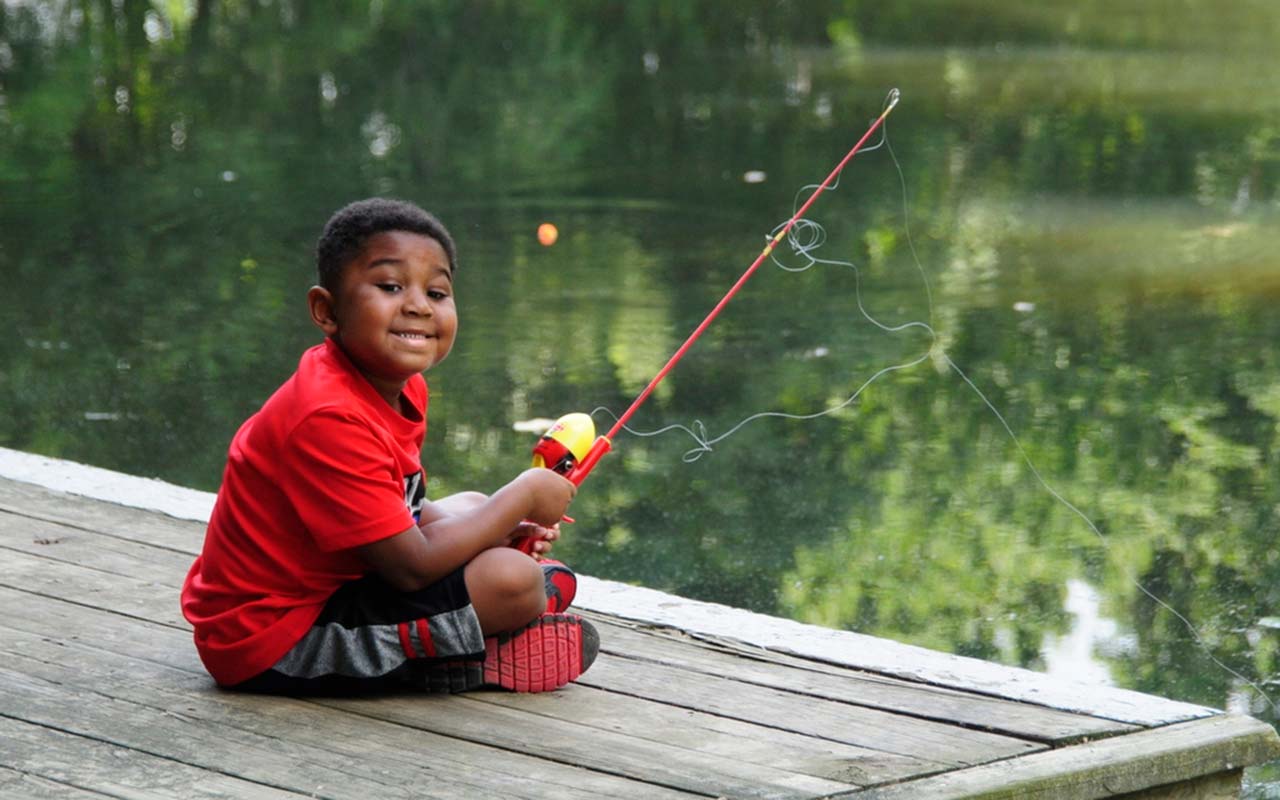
(540, 539)
(548, 495)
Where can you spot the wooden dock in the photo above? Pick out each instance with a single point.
(102, 695)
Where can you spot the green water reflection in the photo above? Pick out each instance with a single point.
(1091, 191)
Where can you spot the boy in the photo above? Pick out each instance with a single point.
(324, 568)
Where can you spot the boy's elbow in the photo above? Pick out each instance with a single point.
(403, 561)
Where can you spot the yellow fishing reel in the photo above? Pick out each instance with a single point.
(565, 443)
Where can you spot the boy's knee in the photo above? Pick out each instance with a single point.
(510, 571)
(506, 588)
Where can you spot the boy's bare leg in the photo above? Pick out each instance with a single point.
(507, 589)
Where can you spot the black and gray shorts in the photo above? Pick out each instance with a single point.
(371, 637)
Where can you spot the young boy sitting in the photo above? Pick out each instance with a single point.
(324, 568)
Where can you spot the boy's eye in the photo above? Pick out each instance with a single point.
(437, 294)
(389, 287)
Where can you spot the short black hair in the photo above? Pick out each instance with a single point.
(351, 226)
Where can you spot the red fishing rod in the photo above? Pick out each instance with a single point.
(564, 447)
(560, 447)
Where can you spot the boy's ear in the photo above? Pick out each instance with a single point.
(320, 303)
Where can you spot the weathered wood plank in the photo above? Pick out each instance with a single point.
(882, 656)
(64, 623)
(976, 711)
(32, 481)
(761, 668)
(1219, 786)
(106, 553)
(582, 733)
(61, 764)
(855, 725)
(197, 741)
(172, 736)
(552, 737)
(709, 733)
(43, 577)
(290, 744)
(29, 786)
(556, 741)
(125, 556)
(674, 727)
(852, 725)
(1108, 768)
(132, 561)
(104, 484)
(141, 600)
(111, 516)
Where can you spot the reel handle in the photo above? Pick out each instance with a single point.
(565, 449)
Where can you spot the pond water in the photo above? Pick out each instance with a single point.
(1080, 200)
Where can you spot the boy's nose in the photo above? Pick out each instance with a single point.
(416, 302)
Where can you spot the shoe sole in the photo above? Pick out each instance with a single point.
(548, 653)
(551, 651)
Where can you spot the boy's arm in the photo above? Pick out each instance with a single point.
(419, 556)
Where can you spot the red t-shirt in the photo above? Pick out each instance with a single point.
(325, 466)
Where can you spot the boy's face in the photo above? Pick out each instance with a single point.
(393, 311)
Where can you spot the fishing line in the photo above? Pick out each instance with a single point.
(1124, 570)
(580, 466)
(1026, 459)
(804, 237)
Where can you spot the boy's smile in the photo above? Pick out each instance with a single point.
(393, 312)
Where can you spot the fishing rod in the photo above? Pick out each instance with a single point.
(567, 446)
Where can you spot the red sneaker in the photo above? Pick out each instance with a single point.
(561, 583)
(544, 655)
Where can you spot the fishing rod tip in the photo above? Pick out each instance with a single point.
(892, 99)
